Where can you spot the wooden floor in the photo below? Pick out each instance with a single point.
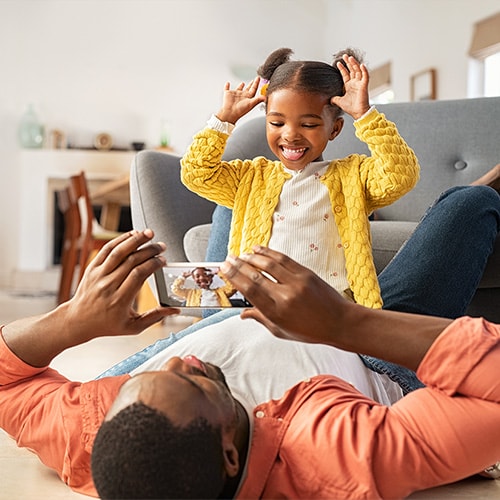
(23, 477)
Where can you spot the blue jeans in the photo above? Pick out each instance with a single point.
(436, 272)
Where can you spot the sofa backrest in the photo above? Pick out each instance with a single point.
(455, 141)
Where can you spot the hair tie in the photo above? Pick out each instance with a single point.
(263, 84)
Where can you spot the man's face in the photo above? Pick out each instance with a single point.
(183, 390)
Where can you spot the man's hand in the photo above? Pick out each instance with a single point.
(355, 100)
(107, 292)
(288, 299)
(102, 305)
(239, 101)
(294, 303)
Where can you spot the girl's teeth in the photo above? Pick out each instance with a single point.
(293, 154)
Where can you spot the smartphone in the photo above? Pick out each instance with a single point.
(196, 285)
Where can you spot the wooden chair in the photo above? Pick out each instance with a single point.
(92, 235)
(69, 254)
(83, 235)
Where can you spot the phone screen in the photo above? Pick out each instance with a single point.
(196, 285)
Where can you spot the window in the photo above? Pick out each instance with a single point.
(492, 75)
(380, 88)
(484, 69)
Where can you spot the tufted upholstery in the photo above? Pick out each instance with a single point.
(455, 141)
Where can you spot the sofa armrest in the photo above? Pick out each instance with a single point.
(196, 242)
(160, 201)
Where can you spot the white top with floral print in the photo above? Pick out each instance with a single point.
(305, 209)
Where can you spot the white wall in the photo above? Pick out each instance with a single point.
(121, 66)
(414, 35)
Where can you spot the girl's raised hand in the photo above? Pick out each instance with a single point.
(355, 100)
(239, 101)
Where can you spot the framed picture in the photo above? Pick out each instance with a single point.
(423, 85)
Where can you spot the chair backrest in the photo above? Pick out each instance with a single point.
(68, 206)
(80, 193)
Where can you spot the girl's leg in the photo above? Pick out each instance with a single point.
(438, 269)
(219, 234)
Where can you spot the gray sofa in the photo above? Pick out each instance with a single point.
(456, 141)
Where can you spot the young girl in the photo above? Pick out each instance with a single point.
(203, 295)
(313, 210)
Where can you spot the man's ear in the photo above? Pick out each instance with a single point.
(231, 458)
(337, 128)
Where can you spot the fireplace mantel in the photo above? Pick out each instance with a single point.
(42, 172)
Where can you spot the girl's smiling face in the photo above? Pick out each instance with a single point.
(299, 126)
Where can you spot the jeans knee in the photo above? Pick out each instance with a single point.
(488, 199)
(482, 197)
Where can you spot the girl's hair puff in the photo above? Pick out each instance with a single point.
(305, 76)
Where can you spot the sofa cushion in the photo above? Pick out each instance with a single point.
(196, 242)
(387, 238)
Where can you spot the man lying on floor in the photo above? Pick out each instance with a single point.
(179, 432)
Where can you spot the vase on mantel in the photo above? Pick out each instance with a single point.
(31, 131)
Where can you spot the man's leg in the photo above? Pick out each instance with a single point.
(437, 270)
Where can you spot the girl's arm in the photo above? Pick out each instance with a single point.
(202, 168)
(392, 170)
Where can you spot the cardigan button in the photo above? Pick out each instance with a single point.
(337, 209)
(346, 245)
(260, 414)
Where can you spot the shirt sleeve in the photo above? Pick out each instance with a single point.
(12, 368)
(55, 418)
(448, 430)
(204, 172)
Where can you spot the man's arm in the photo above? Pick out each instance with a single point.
(296, 304)
(101, 306)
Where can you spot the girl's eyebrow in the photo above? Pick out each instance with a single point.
(306, 115)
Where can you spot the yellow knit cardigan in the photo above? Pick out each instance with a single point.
(358, 185)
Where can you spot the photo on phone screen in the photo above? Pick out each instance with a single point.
(196, 285)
